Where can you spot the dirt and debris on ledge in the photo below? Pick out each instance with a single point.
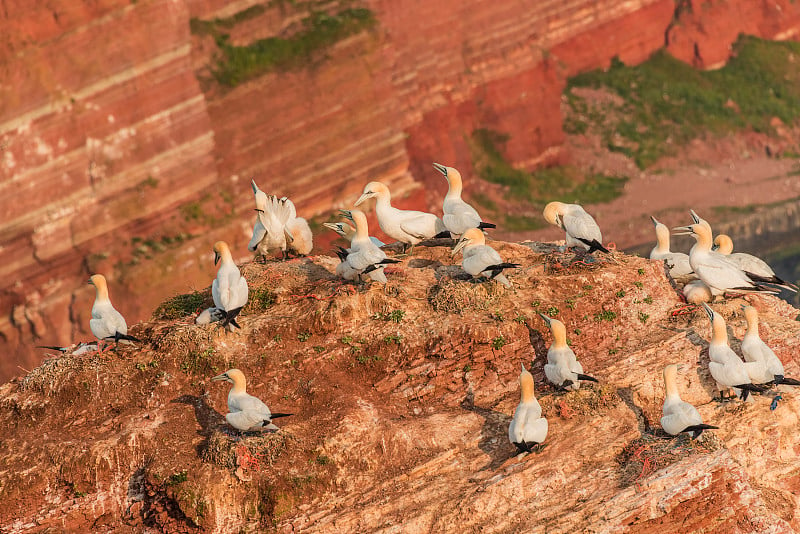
(402, 395)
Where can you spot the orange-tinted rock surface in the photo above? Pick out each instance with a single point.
(109, 124)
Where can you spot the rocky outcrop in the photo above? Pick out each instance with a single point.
(402, 396)
(102, 114)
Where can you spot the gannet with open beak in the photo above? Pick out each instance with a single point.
(106, 322)
(755, 350)
(458, 216)
(406, 226)
(719, 274)
(581, 228)
(270, 231)
(755, 268)
(562, 368)
(302, 240)
(528, 428)
(229, 288)
(725, 365)
(679, 416)
(348, 232)
(480, 259)
(247, 413)
(677, 262)
(363, 256)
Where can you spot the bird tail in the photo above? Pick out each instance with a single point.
(483, 225)
(442, 235)
(120, 336)
(587, 378)
(593, 245)
(230, 317)
(279, 415)
(696, 430)
(774, 280)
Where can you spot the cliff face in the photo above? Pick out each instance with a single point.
(401, 398)
(105, 129)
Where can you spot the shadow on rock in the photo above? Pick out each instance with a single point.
(494, 433)
(207, 417)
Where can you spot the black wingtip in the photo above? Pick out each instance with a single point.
(755, 388)
(587, 377)
(279, 415)
(230, 317)
(51, 347)
(442, 235)
(525, 446)
(484, 225)
(593, 245)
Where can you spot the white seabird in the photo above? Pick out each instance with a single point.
(696, 291)
(754, 267)
(409, 227)
(581, 228)
(363, 255)
(348, 232)
(562, 368)
(302, 240)
(677, 262)
(755, 350)
(269, 231)
(528, 428)
(725, 366)
(106, 322)
(719, 274)
(679, 416)
(229, 289)
(247, 413)
(480, 259)
(458, 216)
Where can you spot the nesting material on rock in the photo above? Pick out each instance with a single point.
(649, 453)
(457, 296)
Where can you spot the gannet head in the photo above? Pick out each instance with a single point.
(451, 174)
(698, 230)
(750, 315)
(98, 281)
(553, 213)
(347, 214)
(526, 385)
(723, 244)
(234, 376)
(373, 189)
(343, 229)
(655, 221)
(220, 249)
(697, 220)
(670, 372)
(557, 328)
(662, 232)
(473, 236)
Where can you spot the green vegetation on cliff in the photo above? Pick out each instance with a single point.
(666, 103)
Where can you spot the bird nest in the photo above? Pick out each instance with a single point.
(455, 296)
(650, 452)
(249, 453)
(589, 400)
(50, 377)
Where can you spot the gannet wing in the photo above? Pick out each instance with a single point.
(721, 274)
(582, 226)
(259, 232)
(418, 224)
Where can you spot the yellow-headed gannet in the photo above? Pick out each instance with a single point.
(480, 259)
(348, 232)
(581, 229)
(302, 241)
(458, 216)
(406, 226)
(562, 368)
(363, 256)
(229, 288)
(106, 322)
(755, 350)
(247, 413)
(528, 428)
(756, 268)
(679, 416)
(677, 262)
(726, 367)
(269, 231)
(696, 292)
(719, 274)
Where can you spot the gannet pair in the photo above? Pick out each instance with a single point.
(679, 416)
(581, 229)
(528, 428)
(479, 259)
(277, 226)
(247, 413)
(408, 227)
(363, 256)
(754, 267)
(229, 290)
(677, 262)
(755, 350)
(562, 368)
(726, 367)
(106, 322)
(458, 216)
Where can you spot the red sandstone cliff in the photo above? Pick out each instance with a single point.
(105, 130)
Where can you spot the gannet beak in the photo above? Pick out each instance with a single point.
(714, 247)
(258, 210)
(332, 226)
(546, 318)
(364, 197)
(655, 221)
(90, 282)
(221, 378)
(346, 214)
(682, 230)
(254, 186)
(216, 258)
(461, 244)
(441, 168)
(709, 311)
(523, 367)
(695, 217)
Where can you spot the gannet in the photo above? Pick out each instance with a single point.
(696, 292)
(480, 259)
(679, 416)
(581, 229)
(229, 288)
(528, 428)
(754, 267)
(348, 232)
(302, 240)
(269, 231)
(458, 215)
(726, 367)
(677, 262)
(719, 274)
(106, 322)
(76, 349)
(755, 350)
(363, 256)
(247, 413)
(406, 226)
(562, 368)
